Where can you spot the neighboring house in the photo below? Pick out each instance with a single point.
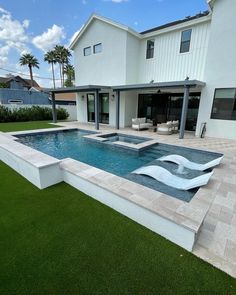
(65, 98)
(19, 91)
(143, 74)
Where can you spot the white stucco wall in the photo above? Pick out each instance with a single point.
(220, 67)
(107, 67)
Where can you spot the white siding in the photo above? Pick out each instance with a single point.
(132, 59)
(168, 63)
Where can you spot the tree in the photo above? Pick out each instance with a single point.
(70, 75)
(31, 61)
(62, 57)
(50, 57)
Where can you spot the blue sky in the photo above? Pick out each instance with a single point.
(37, 25)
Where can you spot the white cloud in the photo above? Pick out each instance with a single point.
(49, 39)
(12, 35)
(3, 61)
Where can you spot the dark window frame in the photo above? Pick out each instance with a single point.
(214, 115)
(94, 46)
(88, 47)
(88, 107)
(150, 50)
(184, 42)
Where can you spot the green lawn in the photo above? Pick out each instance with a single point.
(60, 241)
(18, 126)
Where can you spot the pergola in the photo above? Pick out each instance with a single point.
(184, 85)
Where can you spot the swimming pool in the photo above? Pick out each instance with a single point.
(116, 160)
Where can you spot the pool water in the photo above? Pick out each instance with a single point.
(116, 160)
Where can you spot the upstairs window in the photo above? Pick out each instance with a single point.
(185, 41)
(87, 51)
(150, 49)
(97, 48)
(224, 104)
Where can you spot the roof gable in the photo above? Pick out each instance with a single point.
(105, 20)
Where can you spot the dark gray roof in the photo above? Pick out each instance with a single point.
(85, 88)
(188, 18)
(174, 84)
(88, 88)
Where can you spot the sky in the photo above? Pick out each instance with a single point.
(36, 26)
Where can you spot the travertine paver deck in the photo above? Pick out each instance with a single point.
(216, 242)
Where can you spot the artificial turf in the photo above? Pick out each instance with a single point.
(60, 241)
(18, 126)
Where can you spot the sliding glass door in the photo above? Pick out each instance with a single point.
(103, 107)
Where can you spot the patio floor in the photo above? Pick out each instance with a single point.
(216, 242)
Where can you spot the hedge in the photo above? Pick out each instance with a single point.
(34, 113)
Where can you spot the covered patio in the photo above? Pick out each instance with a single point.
(184, 86)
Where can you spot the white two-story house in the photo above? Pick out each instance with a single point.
(122, 74)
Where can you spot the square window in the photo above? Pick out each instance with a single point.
(224, 104)
(87, 51)
(97, 48)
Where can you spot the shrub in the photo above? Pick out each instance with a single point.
(34, 113)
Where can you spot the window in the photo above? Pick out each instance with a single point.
(185, 41)
(87, 51)
(15, 101)
(150, 49)
(97, 48)
(224, 104)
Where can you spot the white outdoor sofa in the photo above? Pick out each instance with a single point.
(141, 123)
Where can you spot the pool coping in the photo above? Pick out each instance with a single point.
(187, 215)
(137, 147)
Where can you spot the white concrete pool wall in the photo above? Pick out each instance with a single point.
(39, 168)
(174, 219)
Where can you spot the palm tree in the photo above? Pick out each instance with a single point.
(31, 61)
(50, 57)
(70, 75)
(62, 57)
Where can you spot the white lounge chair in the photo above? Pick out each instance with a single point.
(166, 177)
(182, 161)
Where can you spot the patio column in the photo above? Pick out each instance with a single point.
(117, 109)
(54, 111)
(97, 110)
(184, 111)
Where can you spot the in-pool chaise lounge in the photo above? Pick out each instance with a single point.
(182, 161)
(166, 177)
